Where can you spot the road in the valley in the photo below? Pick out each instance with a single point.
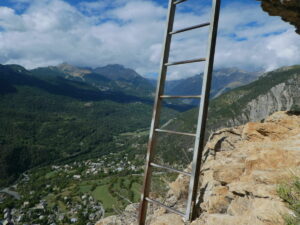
(11, 193)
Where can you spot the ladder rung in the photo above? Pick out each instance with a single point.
(171, 169)
(178, 2)
(190, 28)
(164, 206)
(185, 62)
(175, 132)
(184, 96)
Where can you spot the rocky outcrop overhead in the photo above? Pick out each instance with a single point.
(288, 10)
(242, 170)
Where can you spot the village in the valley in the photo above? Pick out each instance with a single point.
(64, 194)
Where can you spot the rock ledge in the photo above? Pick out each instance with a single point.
(243, 167)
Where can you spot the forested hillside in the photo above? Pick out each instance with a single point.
(48, 118)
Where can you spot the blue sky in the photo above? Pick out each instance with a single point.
(94, 33)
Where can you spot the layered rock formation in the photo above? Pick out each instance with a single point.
(283, 96)
(243, 167)
(288, 10)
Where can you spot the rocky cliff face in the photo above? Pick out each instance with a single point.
(242, 169)
(288, 10)
(283, 96)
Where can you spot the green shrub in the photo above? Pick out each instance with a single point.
(290, 193)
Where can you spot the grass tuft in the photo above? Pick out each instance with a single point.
(290, 193)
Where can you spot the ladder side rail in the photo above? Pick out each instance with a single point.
(179, 1)
(156, 113)
(202, 117)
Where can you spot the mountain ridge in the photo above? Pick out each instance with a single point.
(110, 77)
(223, 80)
(116, 76)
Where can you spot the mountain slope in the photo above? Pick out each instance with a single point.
(274, 91)
(107, 78)
(126, 78)
(50, 118)
(223, 80)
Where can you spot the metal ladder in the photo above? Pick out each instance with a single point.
(201, 124)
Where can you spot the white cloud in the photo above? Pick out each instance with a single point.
(139, 12)
(92, 7)
(9, 20)
(130, 33)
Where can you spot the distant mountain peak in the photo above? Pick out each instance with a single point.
(65, 64)
(285, 68)
(112, 77)
(231, 70)
(116, 66)
(16, 67)
(224, 79)
(117, 71)
(73, 70)
(228, 69)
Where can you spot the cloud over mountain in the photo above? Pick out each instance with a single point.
(47, 32)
